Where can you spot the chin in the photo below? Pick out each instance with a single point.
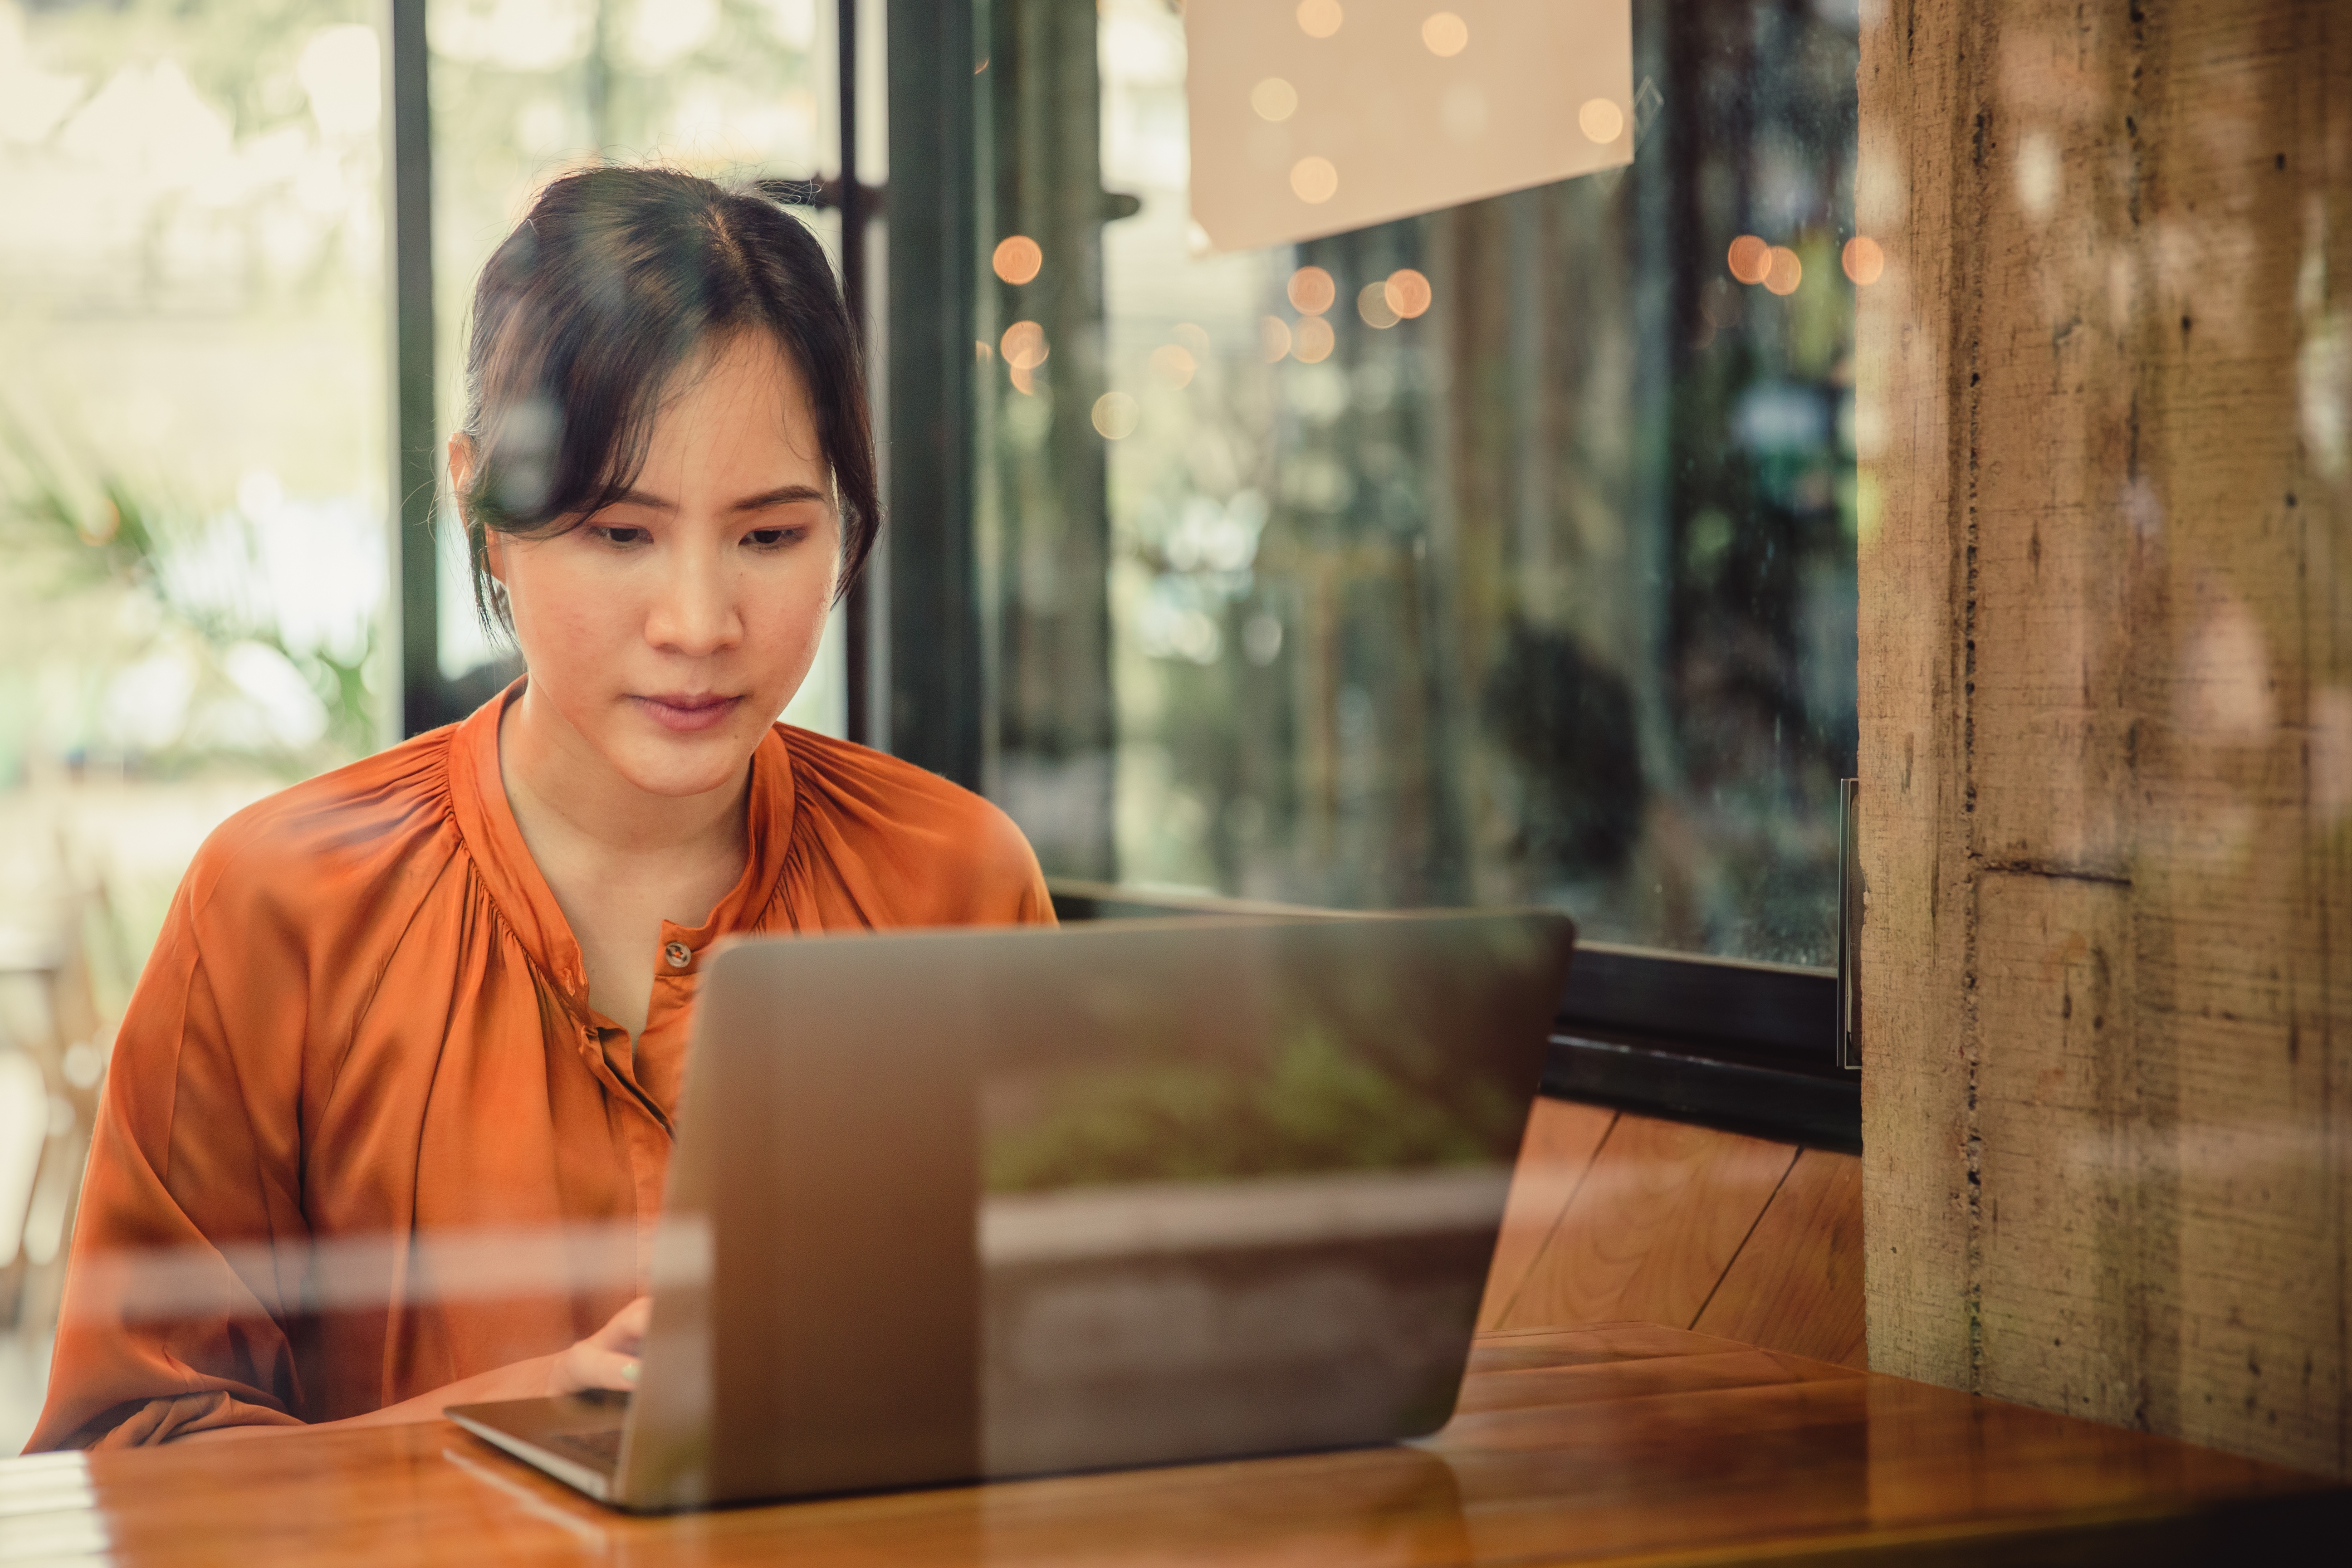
(671, 764)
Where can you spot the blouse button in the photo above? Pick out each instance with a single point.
(678, 954)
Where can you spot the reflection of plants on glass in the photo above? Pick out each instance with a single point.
(164, 636)
(1501, 555)
(1312, 1105)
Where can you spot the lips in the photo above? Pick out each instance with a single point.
(684, 713)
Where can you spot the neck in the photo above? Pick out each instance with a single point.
(560, 786)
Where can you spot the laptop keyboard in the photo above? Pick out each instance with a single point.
(600, 1448)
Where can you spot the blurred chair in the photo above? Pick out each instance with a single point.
(54, 1046)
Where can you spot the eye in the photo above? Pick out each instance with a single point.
(622, 536)
(774, 538)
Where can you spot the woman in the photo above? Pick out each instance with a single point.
(390, 1110)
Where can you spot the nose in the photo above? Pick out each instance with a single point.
(694, 611)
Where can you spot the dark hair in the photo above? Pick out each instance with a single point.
(610, 283)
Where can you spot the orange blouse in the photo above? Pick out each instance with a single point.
(363, 1135)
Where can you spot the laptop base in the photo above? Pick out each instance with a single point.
(576, 1438)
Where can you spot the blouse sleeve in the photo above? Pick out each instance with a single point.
(188, 1248)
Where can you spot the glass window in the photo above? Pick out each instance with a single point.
(1500, 555)
(192, 404)
(523, 90)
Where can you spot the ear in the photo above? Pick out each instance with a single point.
(461, 463)
(494, 556)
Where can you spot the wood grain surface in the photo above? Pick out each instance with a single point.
(1556, 1150)
(1796, 1284)
(1651, 1228)
(2106, 748)
(1610, 1444)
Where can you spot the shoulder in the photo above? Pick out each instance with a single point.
(288, 906)
(336, 838)
(964, 857)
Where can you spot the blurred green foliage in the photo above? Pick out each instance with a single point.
(1310, 1106)
(109, 585)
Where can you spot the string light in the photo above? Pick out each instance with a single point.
(1600, 121)
(1023, 345)
(1174, 364)
(1863, 259)
(1274, 98)
(1445, 35)
(1407, 292)
(1315, 180)
(1017, 259)
(1115, 415)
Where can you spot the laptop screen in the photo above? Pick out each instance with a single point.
(1009, 1201)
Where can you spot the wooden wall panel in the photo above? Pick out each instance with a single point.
(1554, 1156)
(1913, 672)
(2106, 559)
(1796, 1283)
(1651, 1228)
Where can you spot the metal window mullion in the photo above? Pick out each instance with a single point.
(415, 696)
(857, 605)
(926, 593)
(1849, 926)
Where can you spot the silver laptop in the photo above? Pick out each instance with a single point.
(951, 1205)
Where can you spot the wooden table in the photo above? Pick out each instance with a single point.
(1619, 1443)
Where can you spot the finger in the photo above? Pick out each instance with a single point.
(588, 1367)
(626, 1331)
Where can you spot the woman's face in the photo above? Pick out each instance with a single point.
(668, 630)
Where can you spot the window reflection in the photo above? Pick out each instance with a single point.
(1500, 555)
(527, 89)
(190, 402)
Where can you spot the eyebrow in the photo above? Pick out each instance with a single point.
(783, 495)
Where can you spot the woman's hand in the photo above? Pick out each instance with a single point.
(605, 1359)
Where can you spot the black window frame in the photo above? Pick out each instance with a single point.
(1757, 1048)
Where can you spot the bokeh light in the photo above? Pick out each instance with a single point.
(1023, 345)
(1115, 415)
(1272, 338)
(1311, 290)
(1446, 34)
(1784, 272)
(1320, 18)
(1315, 180)
(1863, 260)
(1600, 121)
(1407, 292)
(1749, 258)
(1372, 304)
(1017, 259)
(1174, 364)
(1274, 98)
(1314, 341)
